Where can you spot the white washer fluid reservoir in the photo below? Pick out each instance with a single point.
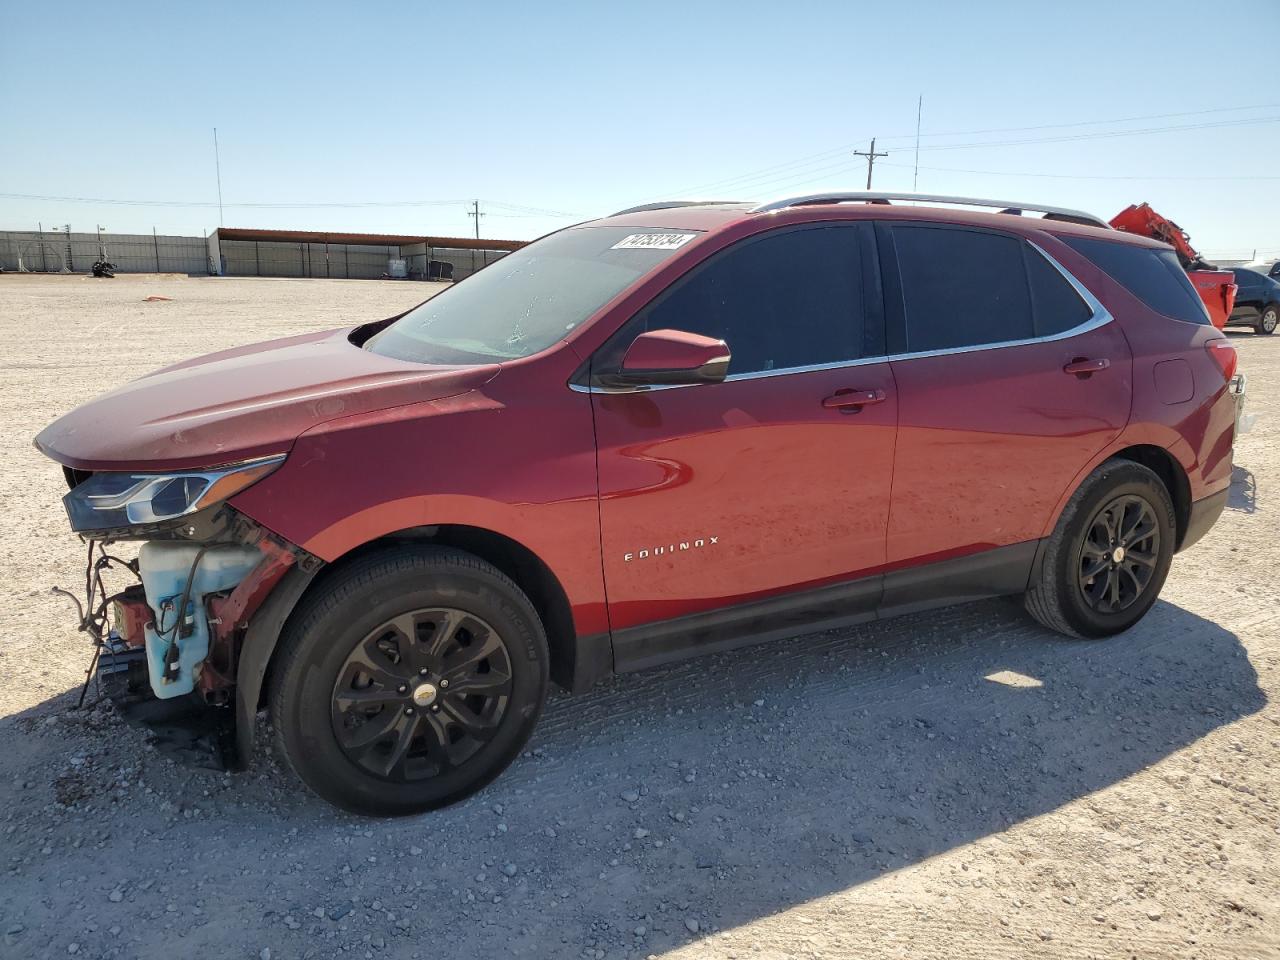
(164, 567)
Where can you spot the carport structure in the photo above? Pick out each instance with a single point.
(241, 252)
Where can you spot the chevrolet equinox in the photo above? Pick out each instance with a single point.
(679, 429)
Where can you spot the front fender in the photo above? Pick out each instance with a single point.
(256, 650)
(516, 460)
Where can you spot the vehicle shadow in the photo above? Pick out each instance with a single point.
(762, 779)
(1244, 490)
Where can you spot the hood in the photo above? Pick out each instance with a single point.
(248, 402)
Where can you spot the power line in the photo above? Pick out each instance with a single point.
(763, 180)
(808, 160)
(1106, 135)
(282, 205)
(767, 181)
(523, 208)
(1088, 123)
(813, 176)
(1085, 176)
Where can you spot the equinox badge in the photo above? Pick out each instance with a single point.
(683, 545)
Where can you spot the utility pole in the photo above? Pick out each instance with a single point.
(871, 158)
(475, 212)
(217, 166)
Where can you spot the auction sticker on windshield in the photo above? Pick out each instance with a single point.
(654, 241)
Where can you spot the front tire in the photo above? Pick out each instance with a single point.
(408, 680)
(1107, 559)
(1269, 319)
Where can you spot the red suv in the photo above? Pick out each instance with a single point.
(676, 430)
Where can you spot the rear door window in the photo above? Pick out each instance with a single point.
(1152, 275)
(961, 288)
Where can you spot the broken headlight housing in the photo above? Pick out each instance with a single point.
(110, 500)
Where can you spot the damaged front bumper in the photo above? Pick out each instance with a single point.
(169, 649)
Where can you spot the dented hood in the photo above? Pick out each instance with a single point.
(248, 402)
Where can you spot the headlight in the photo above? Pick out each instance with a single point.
(109, 501)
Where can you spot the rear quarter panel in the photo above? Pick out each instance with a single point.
(1197, 431)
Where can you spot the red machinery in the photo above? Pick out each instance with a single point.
(1217, 288)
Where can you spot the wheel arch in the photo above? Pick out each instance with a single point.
(1165, 466)
(525, 568)
(1160, 461)
(577, 662)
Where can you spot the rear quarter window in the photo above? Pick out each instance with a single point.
(1056, 306)
(1153, 276)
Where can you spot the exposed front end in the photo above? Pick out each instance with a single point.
(167, 644)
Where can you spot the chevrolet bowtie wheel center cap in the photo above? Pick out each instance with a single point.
(424, 694)
(1117, 555)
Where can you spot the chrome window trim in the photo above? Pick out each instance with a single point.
(1100, 316)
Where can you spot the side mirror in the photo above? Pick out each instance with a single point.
(671, 357)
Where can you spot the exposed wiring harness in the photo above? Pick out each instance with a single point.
(92, 612)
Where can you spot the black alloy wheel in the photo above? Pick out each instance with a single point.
(407, 679)
(1119, 554)
(1103, 566)
(421, 694)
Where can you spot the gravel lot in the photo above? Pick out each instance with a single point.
(955, 784)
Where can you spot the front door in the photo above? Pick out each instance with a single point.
(776, 480)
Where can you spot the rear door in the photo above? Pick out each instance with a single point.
(715, 495)
(985, 331)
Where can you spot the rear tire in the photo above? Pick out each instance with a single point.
(408, 680)
(1107, 559)
(1268, 319)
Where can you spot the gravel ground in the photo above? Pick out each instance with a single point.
(955, 784)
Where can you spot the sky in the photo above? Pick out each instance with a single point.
(394, 117)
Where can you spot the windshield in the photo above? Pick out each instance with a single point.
(529, 299)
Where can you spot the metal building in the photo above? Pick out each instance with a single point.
(239, 252)
(254, 253)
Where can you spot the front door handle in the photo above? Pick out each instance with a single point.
(1082, 367)
(854, 400)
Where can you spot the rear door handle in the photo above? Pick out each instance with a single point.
(851, 400)
(1084, 367)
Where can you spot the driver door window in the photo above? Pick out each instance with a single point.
(785, 300)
